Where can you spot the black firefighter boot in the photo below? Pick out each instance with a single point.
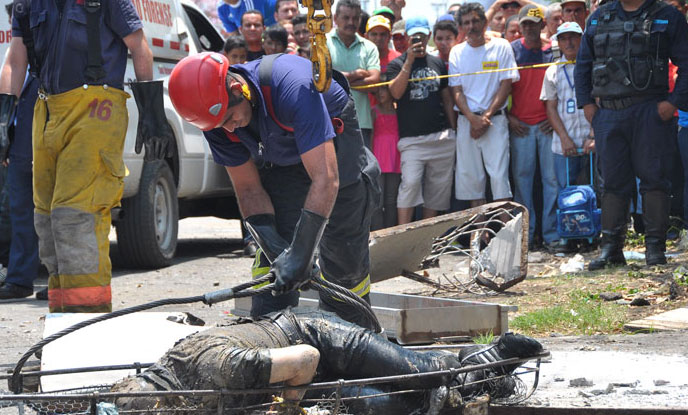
(614, 214)
(656, 217)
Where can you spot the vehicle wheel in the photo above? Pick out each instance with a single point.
(147, 232)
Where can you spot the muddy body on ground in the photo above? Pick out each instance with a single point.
(644, 370)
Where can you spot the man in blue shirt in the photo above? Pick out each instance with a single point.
(622, 85)
(297, 164)
(230, 12)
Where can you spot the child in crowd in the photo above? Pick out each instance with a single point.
(384, 143)
(235, 49)
(275, 39)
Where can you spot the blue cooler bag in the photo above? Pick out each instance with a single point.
(578, 216)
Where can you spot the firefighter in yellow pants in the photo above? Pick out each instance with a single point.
(80, 121)
(78, 178)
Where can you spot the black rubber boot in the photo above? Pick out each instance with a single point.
(614, 214)
(656, 218)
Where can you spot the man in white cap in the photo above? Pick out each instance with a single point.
(571, 130)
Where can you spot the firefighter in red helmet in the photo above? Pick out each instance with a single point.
(302, 177)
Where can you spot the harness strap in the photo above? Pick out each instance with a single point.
(21, 10)
(265, 79)
(94, 69)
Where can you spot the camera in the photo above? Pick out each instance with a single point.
(416, 39)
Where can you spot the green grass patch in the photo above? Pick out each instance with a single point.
(582, 313)
(484, 338)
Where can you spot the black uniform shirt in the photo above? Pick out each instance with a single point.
(669, 20)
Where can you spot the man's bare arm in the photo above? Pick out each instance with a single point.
(251, 196)
(372, 77)
(500, 97)
(141, 55)
(321, 164)
(14, 70)
(448, 105)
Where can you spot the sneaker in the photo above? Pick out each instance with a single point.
(42, 294)
(11, 291)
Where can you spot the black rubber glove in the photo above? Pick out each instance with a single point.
(263, 228)
(293, 268)
(153, 130)
(7, 102)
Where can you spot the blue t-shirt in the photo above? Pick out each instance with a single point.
(231, 15)
(296, 103)
(61, 45)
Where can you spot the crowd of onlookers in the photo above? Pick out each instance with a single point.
(446, 143)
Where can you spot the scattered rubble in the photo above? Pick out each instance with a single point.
(639, 301)
(610, 296)
(580, 382)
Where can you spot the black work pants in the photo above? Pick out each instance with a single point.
(343, 250)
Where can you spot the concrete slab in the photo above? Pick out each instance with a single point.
(138, 337)
(671, 320)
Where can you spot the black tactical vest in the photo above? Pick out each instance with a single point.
(631, 56)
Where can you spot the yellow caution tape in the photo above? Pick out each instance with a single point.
(427, 78)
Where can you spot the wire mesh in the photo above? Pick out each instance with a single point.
(465, 245)
(505, 389)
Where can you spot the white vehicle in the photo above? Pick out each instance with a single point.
(158, 194)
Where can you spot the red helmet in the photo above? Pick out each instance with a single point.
(198, 89)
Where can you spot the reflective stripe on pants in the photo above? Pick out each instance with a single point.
(78, 138)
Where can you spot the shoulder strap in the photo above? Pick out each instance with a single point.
(265, 79)
(94, 69)
(21, 11)
(655, 8)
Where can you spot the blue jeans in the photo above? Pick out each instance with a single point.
(683, 149)
(535, 146)
(576, 164)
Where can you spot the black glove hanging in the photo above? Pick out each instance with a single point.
(153, 130)
(292, 267)
(7, 102)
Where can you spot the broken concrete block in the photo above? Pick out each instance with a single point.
(660, 382)
(580, 382)
(626, 384)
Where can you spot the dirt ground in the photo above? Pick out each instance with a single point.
(209, 258)
(546, 286)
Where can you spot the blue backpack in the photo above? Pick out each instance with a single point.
(578, 216)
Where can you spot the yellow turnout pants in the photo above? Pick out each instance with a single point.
(78, 138)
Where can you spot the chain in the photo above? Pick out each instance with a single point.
(319, 23)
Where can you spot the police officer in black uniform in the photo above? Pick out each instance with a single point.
(622, 85)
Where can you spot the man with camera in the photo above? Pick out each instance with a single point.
(424, 111)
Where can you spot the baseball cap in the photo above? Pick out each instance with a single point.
(530, 13)
(383, 9)
(574, 1)
(417, 24)
(448, 16)
(568, 27)
(378, 21)
(399, 27)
